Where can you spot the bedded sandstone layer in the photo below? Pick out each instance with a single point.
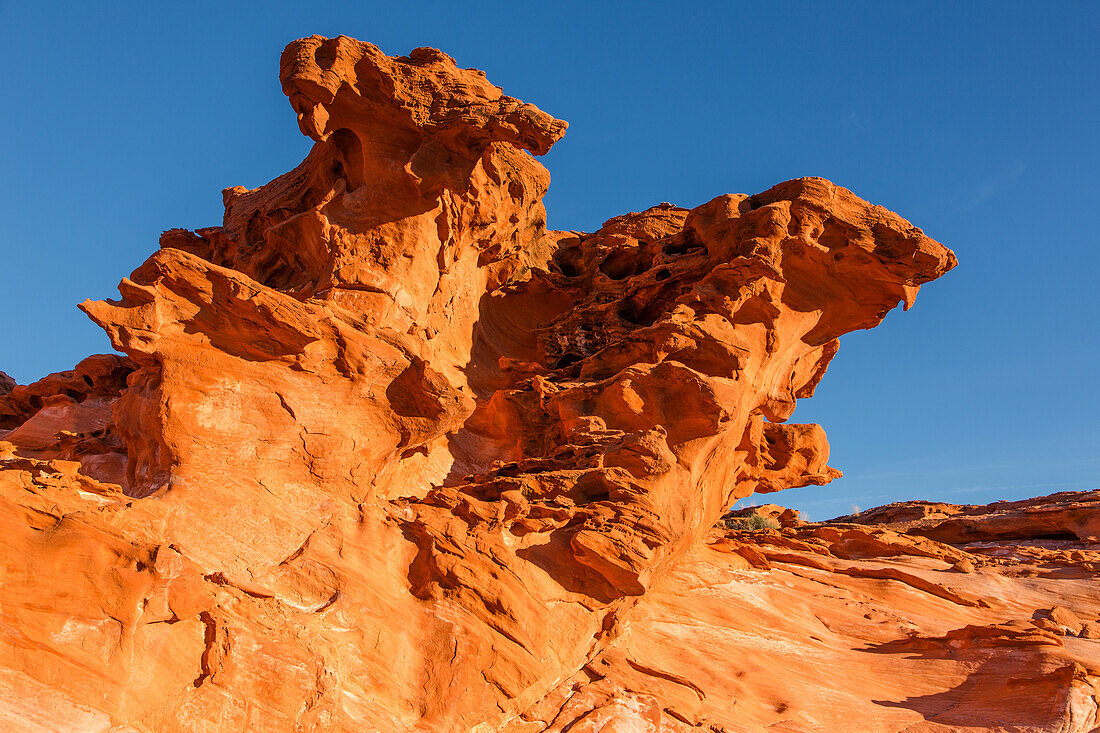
(384, 453)
(868, 626)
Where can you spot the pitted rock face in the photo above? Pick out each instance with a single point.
(7, 384)
(388, 435)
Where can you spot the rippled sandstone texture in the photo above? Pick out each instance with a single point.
(383, 453)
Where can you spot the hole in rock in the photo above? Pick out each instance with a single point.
(624, 263)
(566, 263)
(351, 150)
(645, 314)
(567, 360)
(687, 242)
(325, 55)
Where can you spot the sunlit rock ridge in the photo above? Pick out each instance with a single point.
(383, 453)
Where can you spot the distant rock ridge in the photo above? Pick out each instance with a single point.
(384, 453)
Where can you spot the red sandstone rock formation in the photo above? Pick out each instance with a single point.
(386, 454)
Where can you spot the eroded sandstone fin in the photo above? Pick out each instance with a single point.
(396, 455)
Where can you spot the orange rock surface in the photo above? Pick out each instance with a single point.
(384, 453)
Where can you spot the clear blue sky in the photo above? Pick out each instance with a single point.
(976, 121)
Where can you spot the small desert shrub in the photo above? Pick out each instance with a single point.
(751, 523)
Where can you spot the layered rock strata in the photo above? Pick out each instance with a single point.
(864, 623)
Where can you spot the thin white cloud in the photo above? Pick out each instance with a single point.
(996, 182)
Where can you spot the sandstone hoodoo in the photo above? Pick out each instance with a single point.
(382, 452)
